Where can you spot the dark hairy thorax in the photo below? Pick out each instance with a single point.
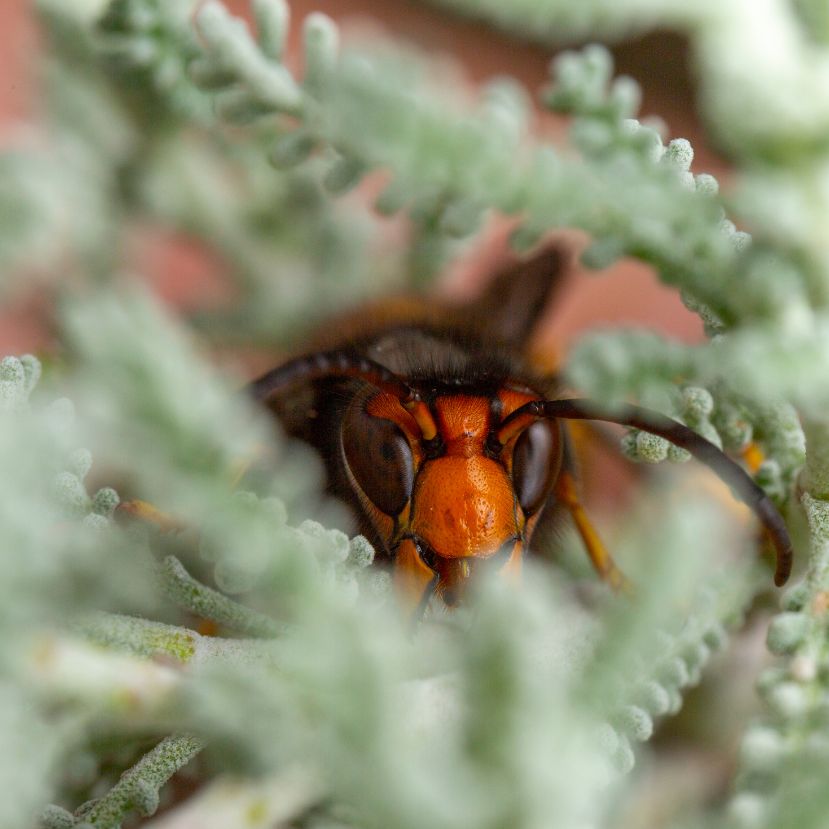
(433, 427)
(437, 359)
(474, 348)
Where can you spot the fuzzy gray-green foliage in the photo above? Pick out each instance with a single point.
(316, 700)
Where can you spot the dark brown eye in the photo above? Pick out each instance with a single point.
(536, 459)
(379, 458)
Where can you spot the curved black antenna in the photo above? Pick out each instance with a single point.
(347, 364)
(678, 434)
(330, 364)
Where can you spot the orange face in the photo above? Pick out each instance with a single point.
(458, 502)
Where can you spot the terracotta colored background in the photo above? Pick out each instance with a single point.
(182, 273)
(18, 333)
(625, 294)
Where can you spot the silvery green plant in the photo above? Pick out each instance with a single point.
(258, 652)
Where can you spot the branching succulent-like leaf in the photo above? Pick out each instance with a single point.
(526, 709)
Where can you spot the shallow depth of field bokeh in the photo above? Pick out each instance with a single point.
(185, 200)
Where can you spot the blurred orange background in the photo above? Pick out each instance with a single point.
(626, 293)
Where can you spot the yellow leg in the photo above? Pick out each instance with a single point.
(601, 559)
(753, 456)
(240, 469)
(151, 514)
(147, 512)
(241, 466)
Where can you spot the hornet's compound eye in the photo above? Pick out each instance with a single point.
(379, 458)
(536, 460)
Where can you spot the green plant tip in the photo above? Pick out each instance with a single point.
(787, 631)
